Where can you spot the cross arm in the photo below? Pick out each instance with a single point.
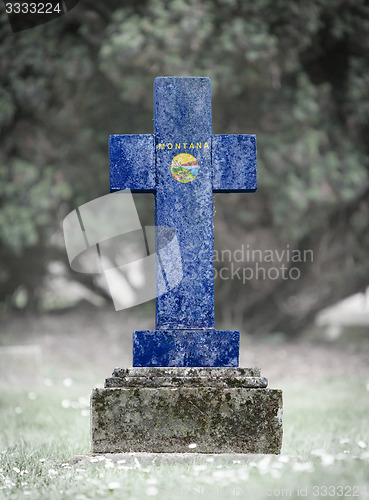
(234, 162)
(132, 162)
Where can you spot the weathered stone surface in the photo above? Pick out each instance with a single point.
(165, 419)
(186, 347)
(182, 115)
(172, 371)
(234, 162)
(132, 162)
(189, 377)
(255, 382)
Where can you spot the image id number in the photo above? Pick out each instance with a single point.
(32, 8)
(336, 491)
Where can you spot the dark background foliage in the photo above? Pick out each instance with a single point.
(294, 73)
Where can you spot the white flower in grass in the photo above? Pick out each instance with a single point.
(361, 444)
(42, 460)
(152, 491)
(67, 382)
(210, 459)
(277, 465)
(243, 474)
(275, 473)
(196, 468)
(219, 473)
(52, 472)
(15, 469)
(8, 483)
(344, 440)
(318, 453)
(84, 402)
(327, 460)
(114, 485)
(94, 459)
(303, 467)
(109, 465)
(26, 492)
(85, 413)
(199, 467)
(121, 461)
(225, 475)
(341, 456)
(264, 464)
(192, 446)
(18, 410)
(65, 403)
(152, 480)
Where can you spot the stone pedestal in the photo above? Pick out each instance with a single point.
(165, 410)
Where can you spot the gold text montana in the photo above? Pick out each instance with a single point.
(183, 145)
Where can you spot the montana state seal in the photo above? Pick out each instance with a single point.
(184, 167)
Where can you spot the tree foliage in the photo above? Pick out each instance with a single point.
(294, 73)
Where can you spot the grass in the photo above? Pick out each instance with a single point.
(325, 451)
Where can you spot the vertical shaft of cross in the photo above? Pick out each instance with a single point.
(183, 126)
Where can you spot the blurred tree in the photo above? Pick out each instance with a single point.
(296, 74)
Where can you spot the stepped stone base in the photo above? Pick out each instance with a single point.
(165, 410)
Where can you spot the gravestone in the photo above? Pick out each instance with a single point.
(185, 386)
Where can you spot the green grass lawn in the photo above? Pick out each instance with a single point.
(325, 451)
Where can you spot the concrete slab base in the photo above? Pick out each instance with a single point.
(216, 411)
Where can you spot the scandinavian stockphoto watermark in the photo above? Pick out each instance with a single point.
(136, 264)
(246, 263)
(104, 237)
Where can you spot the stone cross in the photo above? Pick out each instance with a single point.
(183, 164)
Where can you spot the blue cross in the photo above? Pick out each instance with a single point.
(183, 164)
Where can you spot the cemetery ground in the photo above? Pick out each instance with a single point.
(44, 425)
